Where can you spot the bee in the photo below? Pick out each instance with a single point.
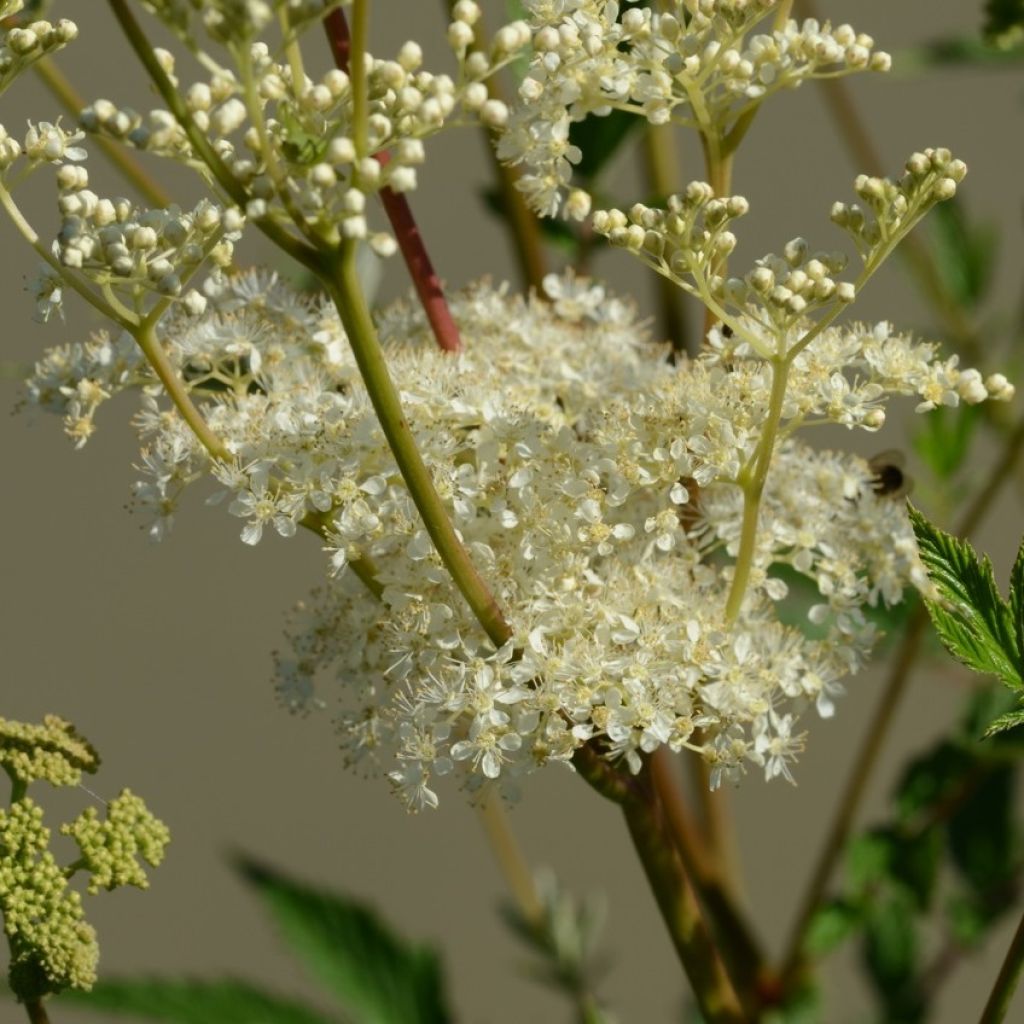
(888, 478)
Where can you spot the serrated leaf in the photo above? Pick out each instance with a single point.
(193, 1002)
(1005, 722)
(375, 975)
(915, 864)
(976, 628)
(1017, 596)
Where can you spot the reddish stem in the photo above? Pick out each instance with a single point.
(403, 223)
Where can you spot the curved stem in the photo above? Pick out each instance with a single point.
(130, 168)
(343, 285)
(1007, 980)
(424, 277)
(878, 728)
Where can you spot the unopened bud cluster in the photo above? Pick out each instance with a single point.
(23, 45)
(292, 144)
(891, 207)
(52, 946)
(691, 64)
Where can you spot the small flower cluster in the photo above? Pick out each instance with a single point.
(290, 142)
(595, 484)
(24, 44)
(693, 64)
(52, 946)
(690, 240)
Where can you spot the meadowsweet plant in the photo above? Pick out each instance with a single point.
(550, 537)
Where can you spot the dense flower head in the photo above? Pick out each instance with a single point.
(53, 752)
(111, 848)
(696, 63)
(595, 483)
(52, 945)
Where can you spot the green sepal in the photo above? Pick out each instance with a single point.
(375, 975)
(974, 624)
(193, 1002)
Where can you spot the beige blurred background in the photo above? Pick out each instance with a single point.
(161, 653)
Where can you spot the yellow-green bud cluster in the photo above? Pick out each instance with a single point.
(52, 946)
(53, 752)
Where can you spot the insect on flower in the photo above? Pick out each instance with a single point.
(889, 479)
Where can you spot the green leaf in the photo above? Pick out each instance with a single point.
(891, 946)
(375, 975)
(867, 861)
(1005, 722)
(976, 628)
(983, 835)
(915, 864)
(964, 254)
(1004, 22)
(929, 779)
(1017, 596)
(831, 926)
(599, 139)
(193, 1002)
(944, 437)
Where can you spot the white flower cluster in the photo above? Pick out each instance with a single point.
(290, 142)
(694, 64)
(594, 484)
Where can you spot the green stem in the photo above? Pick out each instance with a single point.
(1007, 981)
(126, 164)
(357, 76)
(145, 337)
(343, 285)
(752, 480)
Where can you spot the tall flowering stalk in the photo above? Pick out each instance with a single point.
(551, 539)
